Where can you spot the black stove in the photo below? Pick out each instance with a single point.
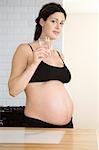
(11, 116)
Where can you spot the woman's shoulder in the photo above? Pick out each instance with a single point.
(23, 48)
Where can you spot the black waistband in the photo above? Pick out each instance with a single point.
(33, 122)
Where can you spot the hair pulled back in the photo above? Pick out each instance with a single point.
(45, 12)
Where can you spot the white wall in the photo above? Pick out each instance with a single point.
(98, 72)
(81, 49)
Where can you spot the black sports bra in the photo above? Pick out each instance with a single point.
(45, 72)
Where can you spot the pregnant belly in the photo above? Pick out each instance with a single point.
(51, 103)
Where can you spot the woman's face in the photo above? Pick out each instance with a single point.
(53, 25)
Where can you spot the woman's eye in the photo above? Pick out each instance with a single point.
(62, 23)
(53, 21)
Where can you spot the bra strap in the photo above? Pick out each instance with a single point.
(60, 57)
(30, 46)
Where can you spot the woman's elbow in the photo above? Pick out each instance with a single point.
(12, 91)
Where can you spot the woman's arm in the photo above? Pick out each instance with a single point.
(20, 71)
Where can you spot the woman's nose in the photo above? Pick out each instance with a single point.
(58, 26)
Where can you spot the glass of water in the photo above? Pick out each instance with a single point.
(45, 42)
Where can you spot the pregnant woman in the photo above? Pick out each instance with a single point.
(40, 71)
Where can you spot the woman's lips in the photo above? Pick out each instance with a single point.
(56, 32)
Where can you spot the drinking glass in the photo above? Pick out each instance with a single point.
(45, 42)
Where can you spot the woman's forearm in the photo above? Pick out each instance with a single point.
(18, 84)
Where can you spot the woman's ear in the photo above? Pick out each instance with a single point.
(42, 22)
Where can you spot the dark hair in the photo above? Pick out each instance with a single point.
(45, 12)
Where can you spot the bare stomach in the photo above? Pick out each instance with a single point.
(49, 101)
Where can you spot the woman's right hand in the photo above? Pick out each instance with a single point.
(39, 54)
